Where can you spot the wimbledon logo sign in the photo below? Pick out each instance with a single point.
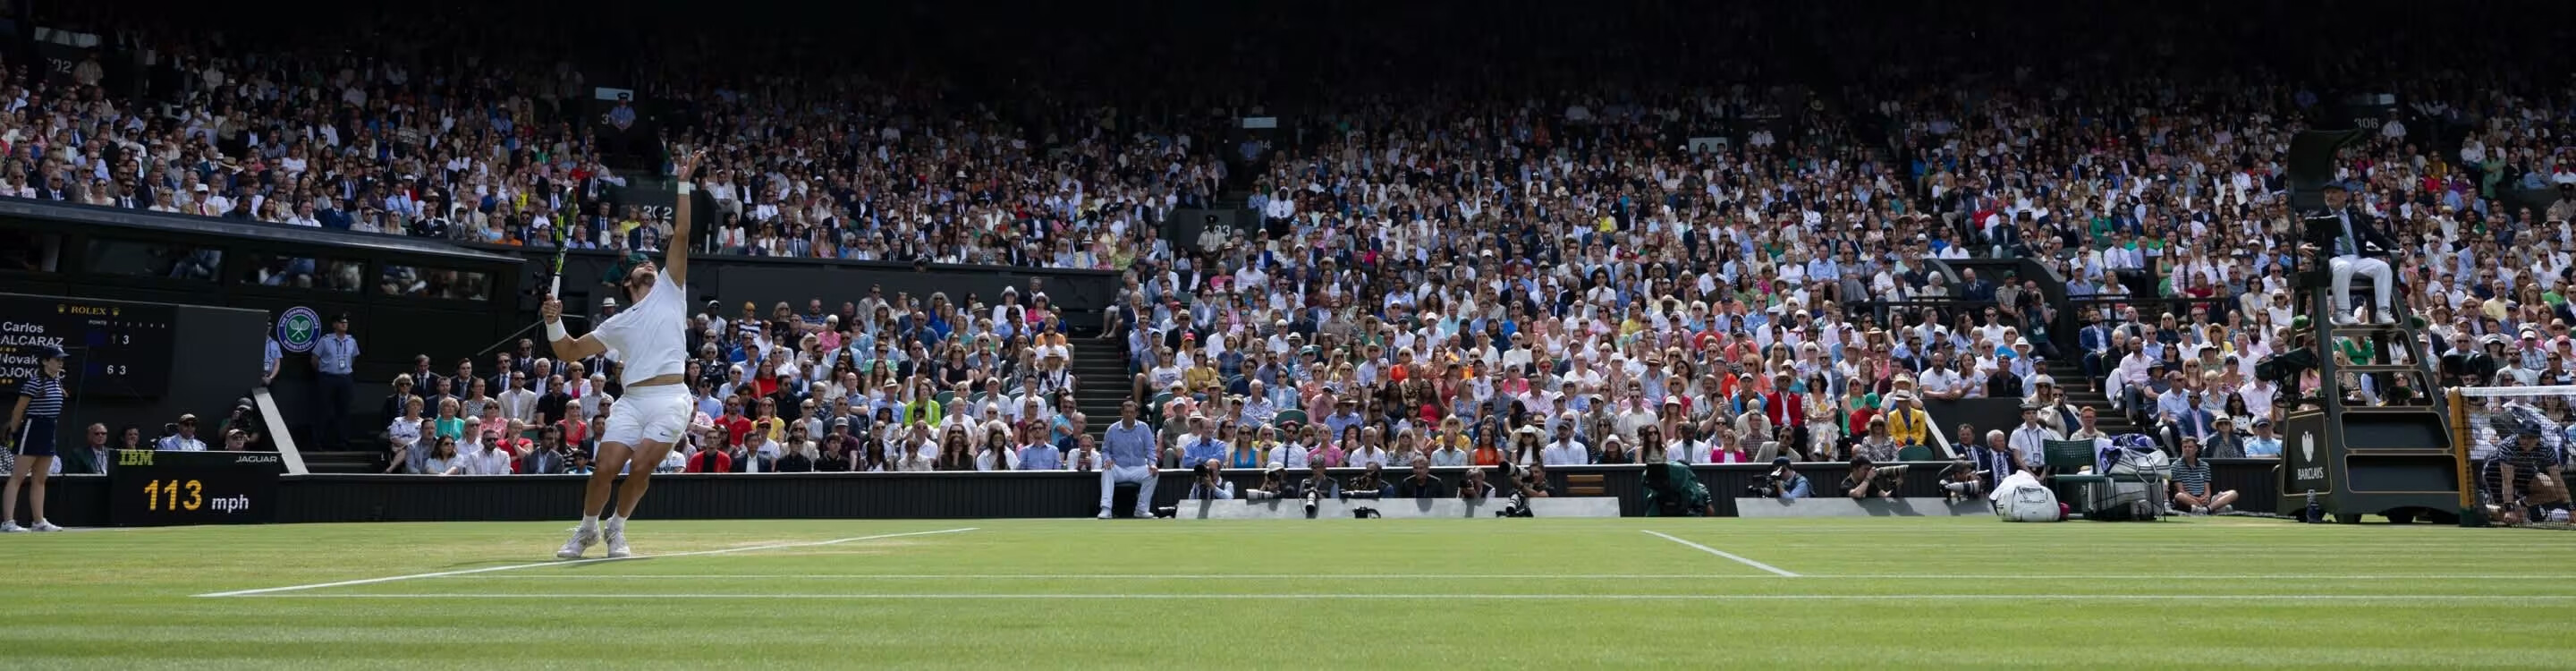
(298, 329)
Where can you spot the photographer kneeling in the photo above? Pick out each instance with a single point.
(1207, 483)
(1867, 480)
(1783, 482)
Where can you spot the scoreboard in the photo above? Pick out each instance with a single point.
(117, 348)
(174, 488)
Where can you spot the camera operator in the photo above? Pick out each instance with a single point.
(1962, 481)
(1421, 484)
(1533, 483)
(1369, 484)
(1318, 484)
(1473, 487)
(1207, 483)
(1274, 484)
(1783, 482)
(245, 418)
(1865, 482)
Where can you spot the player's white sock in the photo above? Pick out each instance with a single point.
(618, 523)
(590, 522)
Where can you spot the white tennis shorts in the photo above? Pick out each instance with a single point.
(657, 413)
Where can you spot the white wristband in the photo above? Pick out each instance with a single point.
(555, 332)
(686, 187)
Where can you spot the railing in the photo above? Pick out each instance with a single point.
(82, 500)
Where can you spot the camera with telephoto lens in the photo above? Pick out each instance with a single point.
(1769, 485)
(1363, 513)
(1888, 477)
(1270, 485)
(1314, 495)
(1511, 475)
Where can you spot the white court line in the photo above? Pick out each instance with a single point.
(1461, 576)
(1723, 553)
(571, 562)
(1497, 597)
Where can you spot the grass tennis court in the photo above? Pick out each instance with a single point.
(1306, 594)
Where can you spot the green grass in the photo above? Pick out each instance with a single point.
(1533, 593)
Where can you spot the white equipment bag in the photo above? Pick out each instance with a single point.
(2020, 498)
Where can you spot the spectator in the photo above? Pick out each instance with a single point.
(493, 457)
(2225, 442)
(442, 458)
(403, 437)
(93, 457)
(184, 439)
(2263, 445)
(710, 461)
(549, 455)
(1906, 424)
(1565, 450)
(1995, 459)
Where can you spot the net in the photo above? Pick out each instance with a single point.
(2518, 436)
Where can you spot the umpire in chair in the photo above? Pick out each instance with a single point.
(2359, 248)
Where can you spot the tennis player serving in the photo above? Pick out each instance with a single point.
(642, 425)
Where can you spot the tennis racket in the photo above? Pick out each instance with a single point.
(555, 291)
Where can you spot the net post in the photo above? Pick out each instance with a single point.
(2460, 447)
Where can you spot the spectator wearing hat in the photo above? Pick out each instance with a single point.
(1905, 423)
(1345, 415)
(2225, 440)
(185, 440)
(334, 356)
(2262, 445)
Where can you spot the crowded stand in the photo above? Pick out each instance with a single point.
(1508, 265)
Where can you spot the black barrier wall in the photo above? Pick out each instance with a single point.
(82, 501)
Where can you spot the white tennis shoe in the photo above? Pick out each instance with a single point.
(580, 542)
(616, 534)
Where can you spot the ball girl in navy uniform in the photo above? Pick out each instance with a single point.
(31, 428)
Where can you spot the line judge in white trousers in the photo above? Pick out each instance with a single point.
(1129, 448)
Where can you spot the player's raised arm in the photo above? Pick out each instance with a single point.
(566, 346)
(676, 260)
